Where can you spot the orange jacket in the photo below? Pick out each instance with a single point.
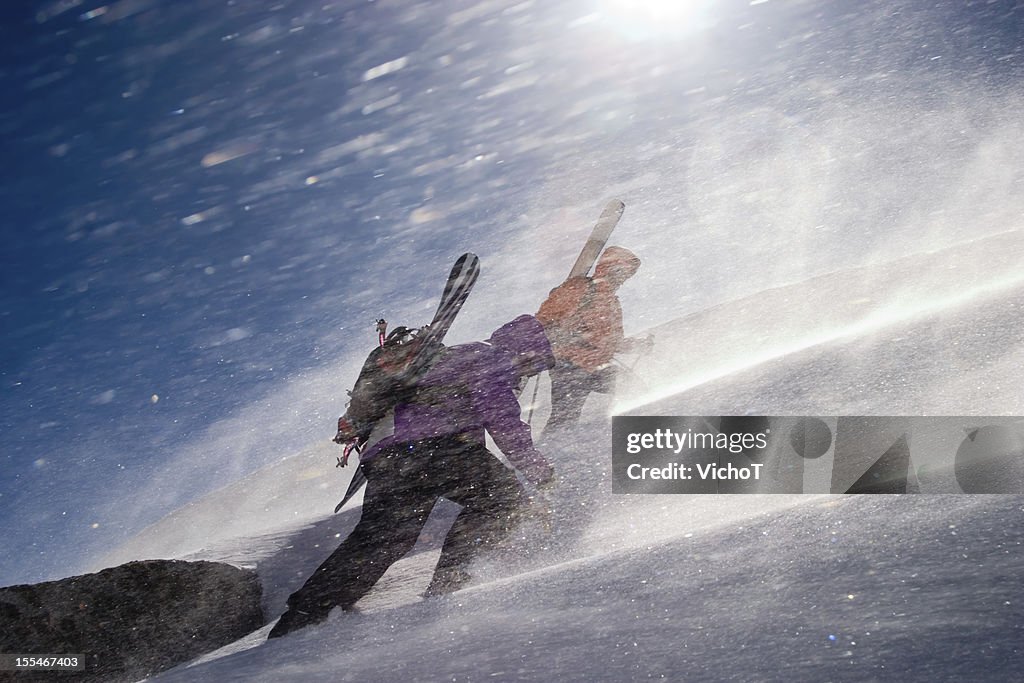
(583, 321)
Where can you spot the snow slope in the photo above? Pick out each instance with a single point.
(289, 494)
(920, 588)
(830, 590)
(934, 332)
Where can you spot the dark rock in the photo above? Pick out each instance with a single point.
(133, 620)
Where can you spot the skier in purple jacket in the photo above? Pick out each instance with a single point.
(438, 450)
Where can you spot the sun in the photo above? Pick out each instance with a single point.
(642, 19)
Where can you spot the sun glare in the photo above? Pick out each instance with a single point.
(657, 17)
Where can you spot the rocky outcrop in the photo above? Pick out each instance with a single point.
(133, 620)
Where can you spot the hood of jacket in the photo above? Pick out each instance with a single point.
(616, 264)
(524, 340)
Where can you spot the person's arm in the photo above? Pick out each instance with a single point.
(563, 302)
(500, 413)
(637, 344)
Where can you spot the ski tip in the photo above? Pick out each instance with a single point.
(468, 257)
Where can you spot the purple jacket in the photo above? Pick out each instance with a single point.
(471, 388)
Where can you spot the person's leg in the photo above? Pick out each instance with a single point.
(570, 387)
(602, 381)
(492, 499)
(394, 512)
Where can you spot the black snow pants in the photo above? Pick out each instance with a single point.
(402, 485)
(570, 386)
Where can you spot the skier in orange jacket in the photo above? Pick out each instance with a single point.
(582, 318)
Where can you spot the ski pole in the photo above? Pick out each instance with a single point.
(529, 411)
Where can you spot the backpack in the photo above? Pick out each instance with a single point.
(383, 383)
(583, 324)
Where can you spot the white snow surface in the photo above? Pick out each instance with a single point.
(868, 588)
(916, 587)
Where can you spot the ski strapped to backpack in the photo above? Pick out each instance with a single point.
(392, 370)
(598, 238)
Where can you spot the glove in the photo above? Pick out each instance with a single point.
(346, 437)
(346, 431)
(641, 345)
(540, 474)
